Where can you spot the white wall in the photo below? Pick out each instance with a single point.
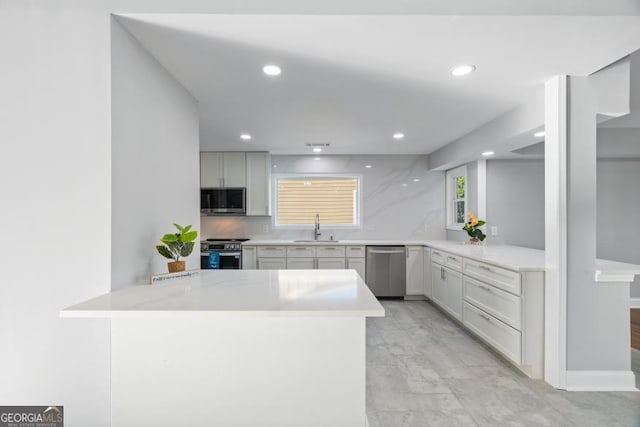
(515, 202)
(389, 210)
(618, 233)
(155, 157)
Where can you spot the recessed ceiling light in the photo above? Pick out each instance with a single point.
(368, 166)
(404, 185)
(539, 134)
(245, 137)
(462, 70)
(317, 150)
(416, 180)
(275, 166)
(316, 158)
(488, 153)
(271, 70)
(398, 135)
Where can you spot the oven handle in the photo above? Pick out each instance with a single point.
(230, 254)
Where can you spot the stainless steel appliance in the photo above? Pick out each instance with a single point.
(223, 201)
(386, 270)
(230, 251)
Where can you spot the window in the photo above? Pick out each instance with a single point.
(298, 198)
(456, 197)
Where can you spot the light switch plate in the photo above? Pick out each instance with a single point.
(494, 230)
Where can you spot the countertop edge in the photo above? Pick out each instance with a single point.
(218, 314)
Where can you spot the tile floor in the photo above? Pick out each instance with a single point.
(424, 370)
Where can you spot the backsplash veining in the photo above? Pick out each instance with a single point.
(389, 209)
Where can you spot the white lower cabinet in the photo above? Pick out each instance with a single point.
(272, 263)
(249, 258)
(357, 264)
(415, 271)
(301, 263)
(427, 287)
(447, 289)
(502, 337)
(330, 264)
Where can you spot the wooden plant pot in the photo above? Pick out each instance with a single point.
(176, 266)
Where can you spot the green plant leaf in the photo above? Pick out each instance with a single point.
(481, 223)
(186, 249)
(164, 251)
(189, 237)
(186, 229)
(167, 238)
(179, 227)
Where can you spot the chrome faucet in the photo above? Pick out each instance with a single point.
(316, 231)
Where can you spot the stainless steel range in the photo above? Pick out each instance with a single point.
(221, 253)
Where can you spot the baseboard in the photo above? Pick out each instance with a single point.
(415, 298)
(635, 302)
(601, 381)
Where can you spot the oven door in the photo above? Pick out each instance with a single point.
(230, 260)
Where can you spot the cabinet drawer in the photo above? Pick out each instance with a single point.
(330, 251)
(500, 336)
(301, 252)
(454, 262)
(500, 304)
(438, 256)
(355, 252)
(272, 251)
(507, 280)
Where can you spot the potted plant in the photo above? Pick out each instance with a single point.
(472, 227)
(177, 245)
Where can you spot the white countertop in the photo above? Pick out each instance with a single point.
(240, 293)
(515, 258)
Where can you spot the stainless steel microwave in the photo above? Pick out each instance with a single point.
(223, 201)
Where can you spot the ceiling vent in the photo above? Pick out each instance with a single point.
(318, 144)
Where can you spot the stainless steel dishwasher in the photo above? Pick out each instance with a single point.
(386, 270)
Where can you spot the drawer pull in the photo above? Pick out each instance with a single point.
(436, 253)
(453, 258)
(485, 317)
(487, 288)
(270, 249)
(329, 249)
(484, 267)
(301, 249)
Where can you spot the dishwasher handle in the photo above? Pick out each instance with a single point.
(374, 251)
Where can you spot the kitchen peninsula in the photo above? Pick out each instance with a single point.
(238, 348)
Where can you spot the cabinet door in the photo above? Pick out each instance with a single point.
(357, 264)
(210, 169)
(234, 169)
(426, 276)
(300, 263)
(249, 258)
(258, 184)
(438, 293)
(330, 263)
(414, 271)
(272, 263)
(453, 293)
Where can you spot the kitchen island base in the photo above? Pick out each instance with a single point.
(238, 371)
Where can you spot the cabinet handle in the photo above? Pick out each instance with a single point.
(270, 249)
(487, 288)
(487, 318)
(436, 253)
(301, 249)
(329, 249)
(484, 267)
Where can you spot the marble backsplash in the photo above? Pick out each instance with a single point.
(401, 199)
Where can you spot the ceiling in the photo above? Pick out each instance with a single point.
(352, 81)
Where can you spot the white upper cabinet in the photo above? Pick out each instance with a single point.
(211, 170)
(258, 184)
(222, 169)
(234, 172)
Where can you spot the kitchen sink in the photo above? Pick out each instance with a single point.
(315, 241)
